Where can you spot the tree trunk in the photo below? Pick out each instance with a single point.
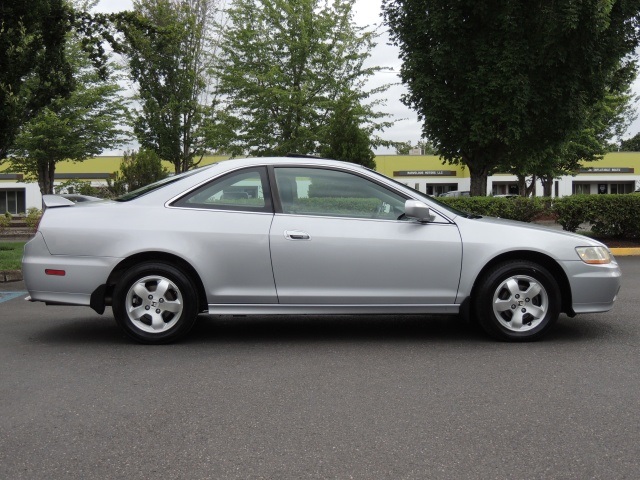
(547, 185)
(531, 189)
(522, 185)
(46, 175)
(479, 175)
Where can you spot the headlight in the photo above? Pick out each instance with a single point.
(594, 255)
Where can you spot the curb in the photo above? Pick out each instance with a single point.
(625, 252)
(10, 276)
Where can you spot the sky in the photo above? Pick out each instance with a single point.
(407, 127)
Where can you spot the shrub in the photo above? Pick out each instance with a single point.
(524, 209)
(32, 218)
(616, 216)
(137, 170)
(364, 206)
(609, 215)
(571, 211)
(78, 187)
(5, 221)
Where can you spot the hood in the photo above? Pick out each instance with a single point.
(534, 227)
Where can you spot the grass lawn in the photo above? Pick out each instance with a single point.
(11, 255)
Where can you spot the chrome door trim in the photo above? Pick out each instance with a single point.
(302, 309)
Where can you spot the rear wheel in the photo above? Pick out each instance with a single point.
(155, 303)
(517, 301)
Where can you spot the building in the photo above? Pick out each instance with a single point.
(616, 173)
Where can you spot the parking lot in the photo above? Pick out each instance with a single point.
(318, 397)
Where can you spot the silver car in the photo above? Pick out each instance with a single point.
(306, 236)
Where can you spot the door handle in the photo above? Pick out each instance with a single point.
(296, 235)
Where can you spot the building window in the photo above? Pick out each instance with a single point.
(437, 189)
(621, 188)
(581, 188)
(504, 188)
(12, 201)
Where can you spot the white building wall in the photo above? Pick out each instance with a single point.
(565, 183)
(31, 192)
(32, 195)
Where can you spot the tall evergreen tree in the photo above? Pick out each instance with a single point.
(169, 56)
(286, 68)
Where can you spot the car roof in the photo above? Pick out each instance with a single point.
(299, 160)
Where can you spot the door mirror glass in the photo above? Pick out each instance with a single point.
(417, 210)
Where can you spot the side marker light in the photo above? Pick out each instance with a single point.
(57, 273)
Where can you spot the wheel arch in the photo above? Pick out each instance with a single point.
(164, 257)
(542, 259)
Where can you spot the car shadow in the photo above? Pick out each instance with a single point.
(379, 328)
(338, 328)
(296, 329)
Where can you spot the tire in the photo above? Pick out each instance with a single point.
(517, 301)
(155, 303)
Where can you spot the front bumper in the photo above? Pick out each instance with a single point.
(594, 288)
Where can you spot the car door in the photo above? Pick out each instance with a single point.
(339, 238)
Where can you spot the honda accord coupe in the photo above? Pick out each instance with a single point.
(306, 236)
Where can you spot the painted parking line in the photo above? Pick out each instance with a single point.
(6, 296)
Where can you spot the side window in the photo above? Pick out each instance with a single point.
(317, 191)
(243, 190)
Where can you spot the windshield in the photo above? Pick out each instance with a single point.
(154, 186)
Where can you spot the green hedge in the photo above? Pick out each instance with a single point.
(336, 206)
(609, 215)
(518, 208)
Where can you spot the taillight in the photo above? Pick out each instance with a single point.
(57, 273)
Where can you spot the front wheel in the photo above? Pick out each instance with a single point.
(517, 301)
(155, 303)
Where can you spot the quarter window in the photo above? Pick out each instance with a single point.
(315, 191)
(243, 190)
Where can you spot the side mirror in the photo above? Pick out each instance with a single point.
(417, 210)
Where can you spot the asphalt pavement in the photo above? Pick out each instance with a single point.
(387, 397)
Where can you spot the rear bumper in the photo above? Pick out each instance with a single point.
(83, 275)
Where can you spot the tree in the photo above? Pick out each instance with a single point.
(32, 41)
(170, 64)
(607, 119)
(403, 148)
(426, 147)
(137, 170)
(345, 139)
(288, 69)
(500, 82)
(75, 127)
(631, 145)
